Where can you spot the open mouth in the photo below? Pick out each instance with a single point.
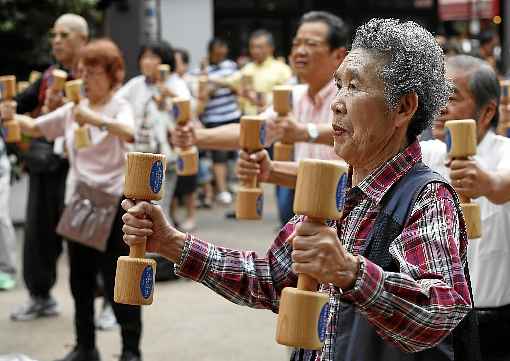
(338, 130)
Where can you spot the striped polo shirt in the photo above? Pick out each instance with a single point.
(222, 105)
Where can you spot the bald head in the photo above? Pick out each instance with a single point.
(74, 23)
(69, 34)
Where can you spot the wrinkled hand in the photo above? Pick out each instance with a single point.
(317, 252)
(53, 100)
(183, 136)
(7, 109)
(256, 164)
(146, 223)
(468, 178)
(84, 115)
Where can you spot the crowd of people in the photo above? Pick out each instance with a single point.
(403, 280)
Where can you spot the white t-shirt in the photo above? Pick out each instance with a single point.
(151, 122)
(489, 256)
(101, 165)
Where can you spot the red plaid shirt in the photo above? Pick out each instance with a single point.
(413, 309)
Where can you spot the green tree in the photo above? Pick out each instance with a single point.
(24, 28)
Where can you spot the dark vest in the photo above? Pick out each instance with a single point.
(357, 339)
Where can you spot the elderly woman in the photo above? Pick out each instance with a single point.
(394, 266)
(98, 170)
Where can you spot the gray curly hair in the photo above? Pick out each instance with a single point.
(415, 63)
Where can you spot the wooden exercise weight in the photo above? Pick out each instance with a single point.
(187, 158)
(250, 198)
(304, 312)
(11, 127)
(73, 90)
(164, 72)
(460, 137)
(58, 80)
(134, 278)
(282, 104)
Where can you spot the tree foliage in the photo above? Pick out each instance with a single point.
(24, 29)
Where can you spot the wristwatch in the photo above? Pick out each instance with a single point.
(313, 132)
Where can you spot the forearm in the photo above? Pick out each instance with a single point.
(499, 190)
(325, 134)
(240, 276)
(120, 130)
(225, 137)
(28, 126)
(283, 174)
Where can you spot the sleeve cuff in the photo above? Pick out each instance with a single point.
(194, 259)
(368, 286)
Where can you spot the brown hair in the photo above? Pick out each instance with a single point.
(105, 53)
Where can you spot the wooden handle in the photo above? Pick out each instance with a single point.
(137, 250)
(306, 283)
(73, 90)
(58, 80)
(250, 182)
(181, 110)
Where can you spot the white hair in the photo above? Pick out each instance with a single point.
(75, 23)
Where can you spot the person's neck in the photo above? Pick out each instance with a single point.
(316, 85)
(360, 172)
(261, 61)
(100, 100)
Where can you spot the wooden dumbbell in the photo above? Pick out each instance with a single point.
(303, 313)
(22, 86)
(134, 279)
(250, 198)
(34, 76)
(58, 80)
(73, 93)
(282, 104)
(460, 137)
(164, 72)
(505, 92)
(11, 128)
(187, 158)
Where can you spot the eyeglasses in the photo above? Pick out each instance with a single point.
(63, 34)
(92, 71)
(307, 43)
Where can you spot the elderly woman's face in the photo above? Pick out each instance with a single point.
(361, 122)
(96, 82)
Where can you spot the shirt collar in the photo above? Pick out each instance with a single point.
(487, 142)
(323, 94)
(379, 181)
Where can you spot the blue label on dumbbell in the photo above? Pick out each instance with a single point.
(290, 100)
(260, 204)
(508, 132)
(448, 139)
(504, 90)
(147, 282)
(180, 164)
(176, 111)
(262, 133)
(1, 90)
(340, 192)
(322, 325)
(156, 177)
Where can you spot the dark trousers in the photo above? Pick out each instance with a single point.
(42, 245)
(85, 263)
(494, 328)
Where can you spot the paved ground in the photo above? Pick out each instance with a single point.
(186, 322)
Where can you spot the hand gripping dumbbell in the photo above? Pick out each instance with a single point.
(74, 89)
(10, 126)
(250, 198)
(282, 104)
(134, 279)
(187, 158)
(460, 137)
(303, 313)
(504, 109)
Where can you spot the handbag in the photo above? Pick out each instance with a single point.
(40, 158)
(89, 217)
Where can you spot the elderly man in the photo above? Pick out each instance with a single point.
(48, 172)
(485, 177)
(394, 273)
(318, 48)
